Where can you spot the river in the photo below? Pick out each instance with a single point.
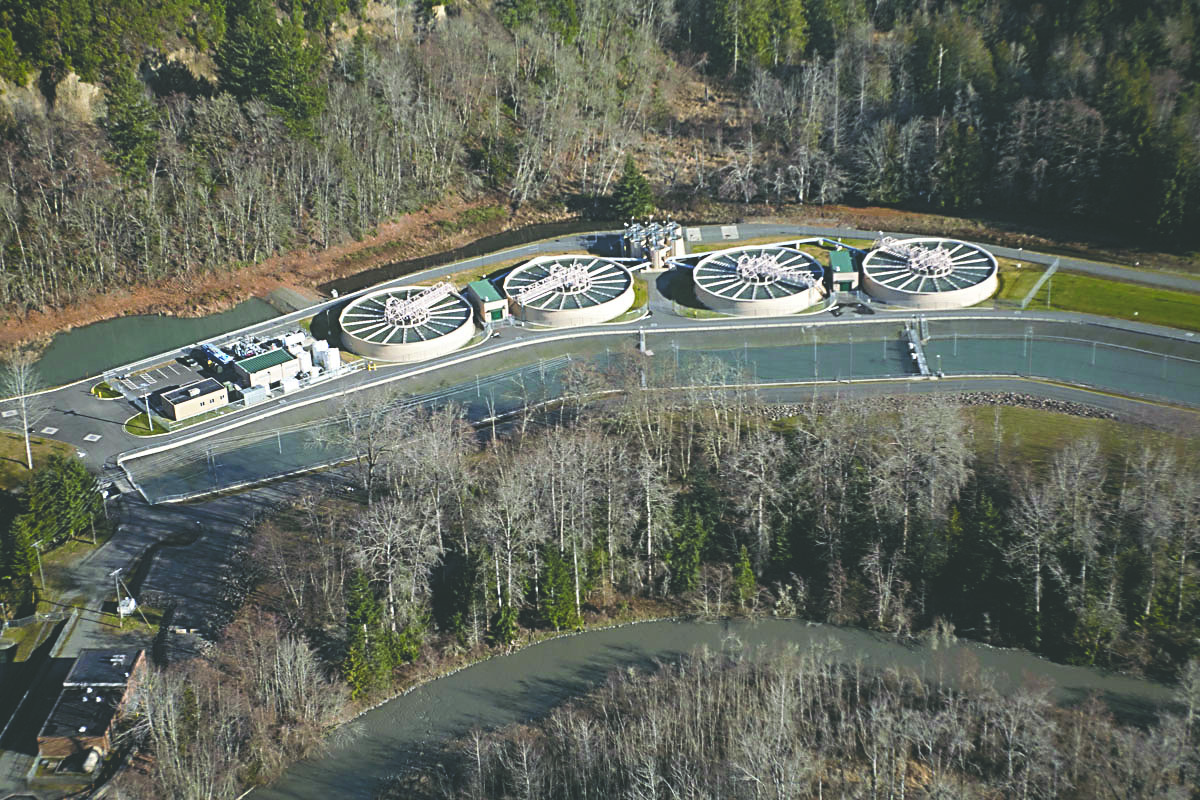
(413, 729)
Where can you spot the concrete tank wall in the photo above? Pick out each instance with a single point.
(411, 352)
(932, 301)
(766, 307)
(575, 317)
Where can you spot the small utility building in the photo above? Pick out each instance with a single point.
(195, 398)
(266, 368)
(93, 696)
(488, 303)
(843, 271)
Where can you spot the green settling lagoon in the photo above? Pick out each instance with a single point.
(88, 351)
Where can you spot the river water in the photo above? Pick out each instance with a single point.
(90, 350)
(413, 729)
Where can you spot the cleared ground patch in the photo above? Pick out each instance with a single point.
(1033, 436)
(12, 457)
(1069, 291)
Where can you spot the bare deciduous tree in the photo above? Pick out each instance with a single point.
(19, 380)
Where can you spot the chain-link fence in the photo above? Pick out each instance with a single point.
(1106, 358)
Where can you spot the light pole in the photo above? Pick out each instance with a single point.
(37, 548)
(1029, 352)
(815, 372)
(116, 576)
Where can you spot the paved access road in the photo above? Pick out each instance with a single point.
(95, 427)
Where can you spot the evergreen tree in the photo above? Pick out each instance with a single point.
(357, 668)
(12, 67)
(274, 62)
(959, 171)
(369, 651)
(504, 625)
(632, 197)
(689, 537)
(131, 123)
(562, 16)
(18, 562)
(357, 58)
(558, 592)
(62, 502)
(744, 585)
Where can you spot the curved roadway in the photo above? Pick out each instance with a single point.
(95, 426)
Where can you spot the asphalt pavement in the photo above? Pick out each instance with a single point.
(192, 547)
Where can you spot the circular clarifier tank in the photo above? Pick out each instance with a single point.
(929, 273)
(567, 291)
(407, 323)
(771, 280)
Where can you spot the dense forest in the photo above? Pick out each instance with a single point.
(775, 726)
(890, 515)
(235, 129)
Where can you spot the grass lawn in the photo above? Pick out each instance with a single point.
(1033, 436)
(138, 427)
(1069, 291)
(105, 392)
(471, 217)
(641, 292)
(815, 249)
(465, 276)
(12, 456)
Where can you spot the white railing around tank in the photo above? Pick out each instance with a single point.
(574, 278)
(415, 309)
(933, 262)
(765, 268)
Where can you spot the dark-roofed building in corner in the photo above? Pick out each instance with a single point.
(93, 696)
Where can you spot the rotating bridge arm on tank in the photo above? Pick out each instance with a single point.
(765, 267)
(415, 308)
(574, 277)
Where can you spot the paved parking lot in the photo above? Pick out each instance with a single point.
(160, 377)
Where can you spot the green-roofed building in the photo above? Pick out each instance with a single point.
(488, 303)
(266, 368)
(843, 268)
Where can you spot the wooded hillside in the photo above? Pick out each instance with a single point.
(317, 120)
